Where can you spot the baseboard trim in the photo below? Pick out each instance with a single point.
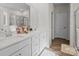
(60, 38)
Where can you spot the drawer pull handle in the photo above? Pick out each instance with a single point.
(20, 54)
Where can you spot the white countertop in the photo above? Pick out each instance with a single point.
(14, 39)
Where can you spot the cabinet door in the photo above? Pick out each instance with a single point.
(42, 41)
(35, 45)
(25, 51)
(15, 47)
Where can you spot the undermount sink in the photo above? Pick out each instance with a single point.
(4, 36)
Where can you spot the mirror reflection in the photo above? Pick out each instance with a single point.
(15, 17)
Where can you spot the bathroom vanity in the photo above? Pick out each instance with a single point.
(30, 44)
(15, 41)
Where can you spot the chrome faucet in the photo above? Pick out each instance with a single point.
(5, 31)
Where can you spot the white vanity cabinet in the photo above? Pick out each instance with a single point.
(10, 50)
(25, 50)
(29, 45)
(35, 45)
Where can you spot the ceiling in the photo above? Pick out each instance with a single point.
(15, 6)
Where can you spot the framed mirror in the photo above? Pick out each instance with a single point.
(15, 15)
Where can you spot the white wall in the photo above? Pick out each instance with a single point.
(40, 18)
(44, 8)
(73, 6)
(61, 20)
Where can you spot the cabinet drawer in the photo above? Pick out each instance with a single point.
(25, 51)
(12, 49)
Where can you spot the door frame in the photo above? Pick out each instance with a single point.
(52, 26)
(52, 38)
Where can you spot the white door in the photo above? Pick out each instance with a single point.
(61, 25)
(77, 29)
